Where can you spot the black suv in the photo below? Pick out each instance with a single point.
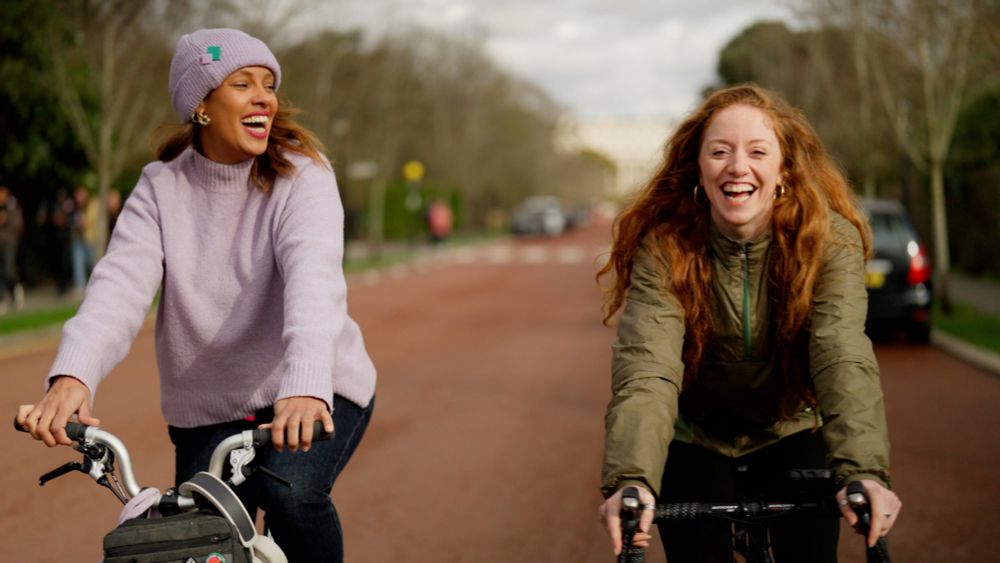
(898, 276)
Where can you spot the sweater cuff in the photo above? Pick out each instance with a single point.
(78, 363)
(307, 380)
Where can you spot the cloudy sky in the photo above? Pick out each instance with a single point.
(596, 57)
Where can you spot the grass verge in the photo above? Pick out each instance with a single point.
(34, 320)
(966, 323)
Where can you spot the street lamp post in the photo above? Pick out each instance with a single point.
(413, 173)
(368, 170)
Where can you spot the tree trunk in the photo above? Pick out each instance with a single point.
(942, 260)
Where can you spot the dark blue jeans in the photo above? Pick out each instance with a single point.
(302, 519)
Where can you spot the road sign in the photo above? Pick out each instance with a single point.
(413, 171)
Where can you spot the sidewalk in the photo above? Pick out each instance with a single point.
(982, 294)
(45, 298)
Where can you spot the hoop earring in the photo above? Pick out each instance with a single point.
(694, 194)
(780, 192)
(200, 118)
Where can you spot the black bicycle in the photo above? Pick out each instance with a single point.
(813, 497)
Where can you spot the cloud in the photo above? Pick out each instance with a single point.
(595, 57)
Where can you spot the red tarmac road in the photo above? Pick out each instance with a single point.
(487, 434)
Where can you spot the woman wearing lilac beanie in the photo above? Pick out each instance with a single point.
(239, 226)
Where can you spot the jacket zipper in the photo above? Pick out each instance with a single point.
(746, 300)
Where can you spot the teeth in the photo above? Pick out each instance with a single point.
(737, 188)
(254, 119)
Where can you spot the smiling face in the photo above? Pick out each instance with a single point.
(739, 167)
(241, 110)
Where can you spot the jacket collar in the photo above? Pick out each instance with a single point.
(730, 251)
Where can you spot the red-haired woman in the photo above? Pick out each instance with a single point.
(739, 273)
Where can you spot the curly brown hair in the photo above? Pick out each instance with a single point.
(286, 135)
(674, 227)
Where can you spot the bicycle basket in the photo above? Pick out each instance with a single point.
(199, 535)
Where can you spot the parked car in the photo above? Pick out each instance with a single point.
(578, 217)
(539, 215)
(898, 277)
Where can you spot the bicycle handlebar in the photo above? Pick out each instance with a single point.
(89, 435)
(257, 438)
(746, 512)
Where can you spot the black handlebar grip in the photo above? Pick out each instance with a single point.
(880, 552)
(635, 555)
(858, 501)
(262, 436)
(74, 430)
(677, 511)
(629, 514)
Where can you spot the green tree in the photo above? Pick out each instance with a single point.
(40, 153)
(973, 174)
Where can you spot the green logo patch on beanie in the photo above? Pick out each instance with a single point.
(213, 53)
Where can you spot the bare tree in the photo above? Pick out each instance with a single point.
(102, 76)
(935, 38)
(915, 57)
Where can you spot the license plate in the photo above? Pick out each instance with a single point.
(874, 280)
(875, 272)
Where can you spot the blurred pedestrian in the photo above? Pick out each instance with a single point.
(439, 221)
(53, 216)
(83, 236)
(114, 206)
(239, 226)
(11, 231)
(740, 272)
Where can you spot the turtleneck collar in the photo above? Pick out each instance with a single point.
(214, 176)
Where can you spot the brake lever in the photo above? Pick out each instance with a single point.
(60, 471)
(253, 469)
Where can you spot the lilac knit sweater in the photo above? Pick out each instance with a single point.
(253, 298)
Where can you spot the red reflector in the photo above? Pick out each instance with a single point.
(920, 267)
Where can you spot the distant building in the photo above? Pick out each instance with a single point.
(634, 145)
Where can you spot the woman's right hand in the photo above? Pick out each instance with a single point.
(610, 516)
(46, 421)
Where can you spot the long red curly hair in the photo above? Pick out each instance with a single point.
(678, 226)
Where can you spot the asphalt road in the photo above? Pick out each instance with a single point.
(486, 439)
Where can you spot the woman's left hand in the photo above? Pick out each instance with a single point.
(885, 507)
(292, 426)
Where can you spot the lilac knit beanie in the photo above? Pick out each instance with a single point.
(204, 58)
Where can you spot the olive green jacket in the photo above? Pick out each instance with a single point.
(733, 407)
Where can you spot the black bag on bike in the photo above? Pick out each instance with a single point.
(197, 535)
